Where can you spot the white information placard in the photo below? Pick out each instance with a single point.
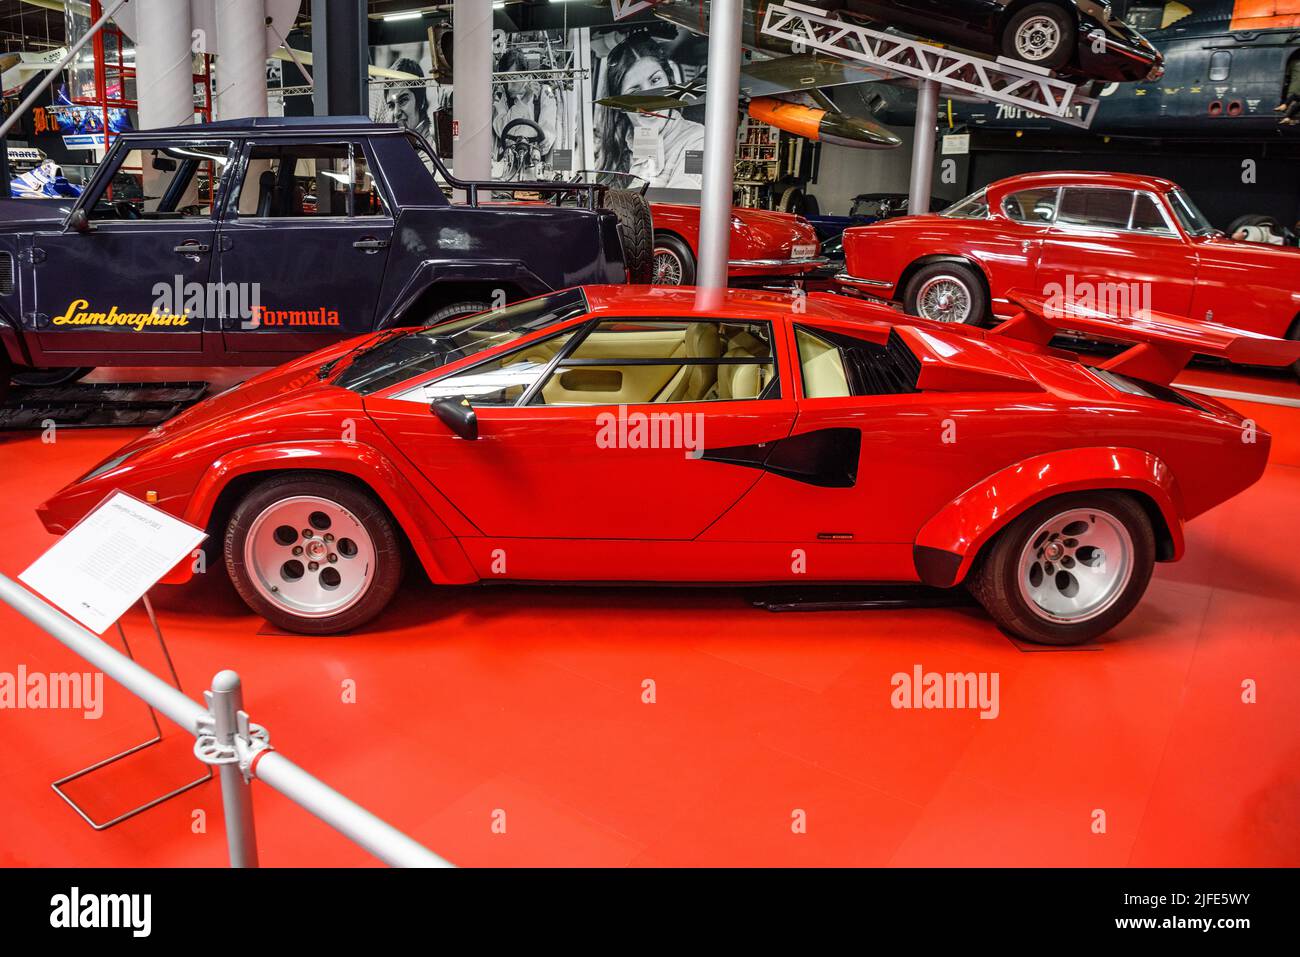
(109, 559)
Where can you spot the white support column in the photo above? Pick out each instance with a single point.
(472, 81)
(164, 63)
(720, 119)
(241, 58)
(927, 120)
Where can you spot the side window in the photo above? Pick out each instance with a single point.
(502, 381)
(1032, 205)
(1099, 208)
(822, 365)
(648, 361)
(163, 183)
(309, 179)
(1148, 217)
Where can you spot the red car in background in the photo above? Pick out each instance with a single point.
(1106, 239)
(764, 244)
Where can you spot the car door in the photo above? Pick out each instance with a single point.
(1117, 250)
(134, 278)
(629, 429)
(308, 231)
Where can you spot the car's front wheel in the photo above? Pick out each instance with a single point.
(674, 262)
(314, 554)
(1041, 34)
(1069, 569)
(947, 292)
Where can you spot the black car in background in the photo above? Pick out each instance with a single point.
(1083, 38)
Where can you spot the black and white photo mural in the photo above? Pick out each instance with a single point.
(536, 118)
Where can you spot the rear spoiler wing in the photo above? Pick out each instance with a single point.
(1162, 345)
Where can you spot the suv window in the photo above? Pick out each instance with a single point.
(1100, 208)
(309, 179)
(162, 183)
(1032, 205)
(645, 361)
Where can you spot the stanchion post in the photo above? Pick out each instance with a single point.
(227, 700)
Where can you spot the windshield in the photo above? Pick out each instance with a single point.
(1190, 215)
(423, 350)
(975, 206)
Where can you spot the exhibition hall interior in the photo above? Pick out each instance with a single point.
(678, 434)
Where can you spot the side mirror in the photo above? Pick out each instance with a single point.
(458, 415)
(79, 221)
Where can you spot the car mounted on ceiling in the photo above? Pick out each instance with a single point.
(638, 435)
(1084, 236)
(1079, 38)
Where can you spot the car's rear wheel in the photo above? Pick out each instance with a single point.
(1042, 34)
(674, 262)
(29, 378)
(313, 553)
(455, 310)
(947, 292)
(1069, 569)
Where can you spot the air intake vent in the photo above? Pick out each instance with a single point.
(6, 273)
(908, 364)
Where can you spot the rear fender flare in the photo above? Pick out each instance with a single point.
(510, 275)
(434, 544)
(949, 542)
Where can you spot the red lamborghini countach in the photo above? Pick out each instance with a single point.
(640, 435)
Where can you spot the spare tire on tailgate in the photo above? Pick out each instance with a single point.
(636, 229)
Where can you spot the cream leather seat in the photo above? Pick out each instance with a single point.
(823, 368)
(694, 383)
(744, 381)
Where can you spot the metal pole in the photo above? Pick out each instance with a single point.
(720, 119)
(471, 141)
(164, 66)
(345, 816)
(236, 795)
(241, 58)
(927, 120)
(135, 679)
(44, 85)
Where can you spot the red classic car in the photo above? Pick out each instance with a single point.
(642, 435)
(763, 244)
(1093, 237)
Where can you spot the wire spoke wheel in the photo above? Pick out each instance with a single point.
(309, 556)
(1076, 565)
(668, 268)
(945, 299)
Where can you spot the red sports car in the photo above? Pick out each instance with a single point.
(639, 435)
(764, 244)
(1096, 238)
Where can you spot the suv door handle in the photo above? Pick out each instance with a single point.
(371, 245)
(192, 248)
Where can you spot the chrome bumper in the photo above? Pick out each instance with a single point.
(855, 281)
(813, 263)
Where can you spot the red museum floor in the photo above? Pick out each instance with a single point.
(529, 701)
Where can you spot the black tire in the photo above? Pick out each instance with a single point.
(455, 310)
(381, 580)
(792, 201)
(29, 378)
(636, 229)
(964, 276)
(995, 580)
(674, 247)
(1053, 58)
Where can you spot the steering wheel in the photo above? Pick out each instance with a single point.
(522, 132)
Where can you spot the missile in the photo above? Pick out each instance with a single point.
(823, 126)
